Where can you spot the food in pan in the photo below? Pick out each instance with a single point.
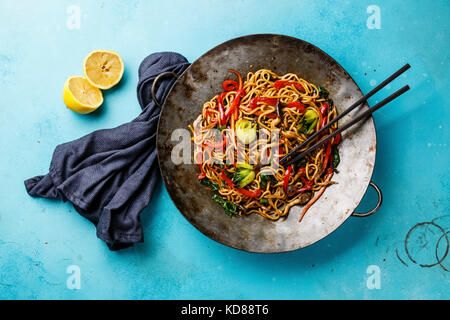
(244, 131)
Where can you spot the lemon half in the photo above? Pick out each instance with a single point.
(103, 68)
(81, 96)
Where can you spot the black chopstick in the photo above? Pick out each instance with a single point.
(353, 106)
(363, 115)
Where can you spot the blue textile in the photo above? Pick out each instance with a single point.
(109, 175)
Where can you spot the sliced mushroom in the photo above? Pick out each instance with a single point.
(279, 106)
(305, 197)
(240, 208)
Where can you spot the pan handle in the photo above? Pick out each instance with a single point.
(380, 200)
(161, 75)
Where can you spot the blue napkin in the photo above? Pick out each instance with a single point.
(109, 175)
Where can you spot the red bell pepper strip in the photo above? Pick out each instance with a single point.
(222, 119)
(201, 176)
(297, 105)
(237, 98)
(337, 139)
(287, 174)
(268, 115)
(235, 104)
(258, 113)
(219, 144)
(323, 109)
(200, 166)
(307, 183)
(323, 123)
(270, 101)
(327, 156)
(241, 83)
(207, 114)
(226, 179)
(307, 186)
(304, 188)
(282, 83)
(230, 85)
(280, 148)
(252, 194)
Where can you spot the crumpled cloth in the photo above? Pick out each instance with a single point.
(109, 175)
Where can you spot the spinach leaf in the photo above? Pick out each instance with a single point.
(301, 163)
(323, 93)
(230, 207)
(217, 198)
(264, 179)
(336, 157)
(213, 186)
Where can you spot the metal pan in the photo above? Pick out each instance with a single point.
(202, 80)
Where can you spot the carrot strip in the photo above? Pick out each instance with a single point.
(317, 196)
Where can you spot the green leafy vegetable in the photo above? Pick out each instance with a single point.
(213, 186)
(336, 157)
(221, 128)
(243, 165)
(301, 163)
(265, 178)
(230, 207)
(308, 122)
(264, 201)
(243, 177)
(323, 93)
(245, 131)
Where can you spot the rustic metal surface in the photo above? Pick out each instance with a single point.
(202, 80)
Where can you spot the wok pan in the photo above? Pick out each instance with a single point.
(202, 80)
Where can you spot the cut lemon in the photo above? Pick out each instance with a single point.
(103, 68)
(81, 96)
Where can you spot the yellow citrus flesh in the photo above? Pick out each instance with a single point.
(103, 68)
(80, 96)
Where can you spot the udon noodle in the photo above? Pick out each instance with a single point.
(243, 132)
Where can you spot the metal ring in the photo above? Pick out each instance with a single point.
(380, 200)
(161, 75)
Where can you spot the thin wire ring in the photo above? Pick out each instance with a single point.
(380, 201)
(161, 75)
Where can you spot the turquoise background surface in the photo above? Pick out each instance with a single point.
(41, 45)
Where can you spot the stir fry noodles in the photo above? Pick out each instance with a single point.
(244, 131)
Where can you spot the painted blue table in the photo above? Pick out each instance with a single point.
(48, 251)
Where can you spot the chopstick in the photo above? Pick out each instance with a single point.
(353, 106)
(363, 115)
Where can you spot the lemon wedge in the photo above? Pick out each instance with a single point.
(103, 68)
(81, 96)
